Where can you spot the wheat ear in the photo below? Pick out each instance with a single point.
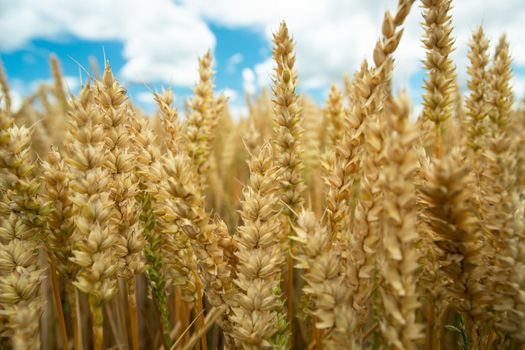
(477, 101)
(22, 220)
(439, 85)
(94, 244)
(260, 257)
(400, 255)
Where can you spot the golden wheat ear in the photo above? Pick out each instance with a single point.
(455, 232)
(259, 256)
(288, 149)
(441, 75)
(93, 250)
(477, 102)
(501, 97)
(322, 266)
(501, 211)
(23, 223)
(399, 262)
(202, 120)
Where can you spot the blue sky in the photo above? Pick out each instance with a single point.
(236, 49)
(155, 43)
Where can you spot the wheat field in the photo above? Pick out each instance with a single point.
(349, 225)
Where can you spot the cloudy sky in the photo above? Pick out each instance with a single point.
(156, 43)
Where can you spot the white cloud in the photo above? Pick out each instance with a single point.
(518, 84)
(16, 99)
(71, 84)
(145, 98)
(259, 76)
(19, 89)
(238, 111)
(233, 62)
(230, 94)
(248, 77)
(162, 40)
(334, 36)
(331, 36)
(263, 72)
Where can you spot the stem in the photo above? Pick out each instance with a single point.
(58, 301)
(98, 324)
(164, 316)
(165, 337)
(289, 293)
(464, 335)
(318, 193)
(133, 317)
(78, 319)
(185, 320)
(121, 311)
(178, 311)
(370, 331)
(317, 334)
(430, 326)
(474, 336)
(438, 140)
(199, 309)
(70, 293)
(186, 331)
(113, 324)
(211, 318)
